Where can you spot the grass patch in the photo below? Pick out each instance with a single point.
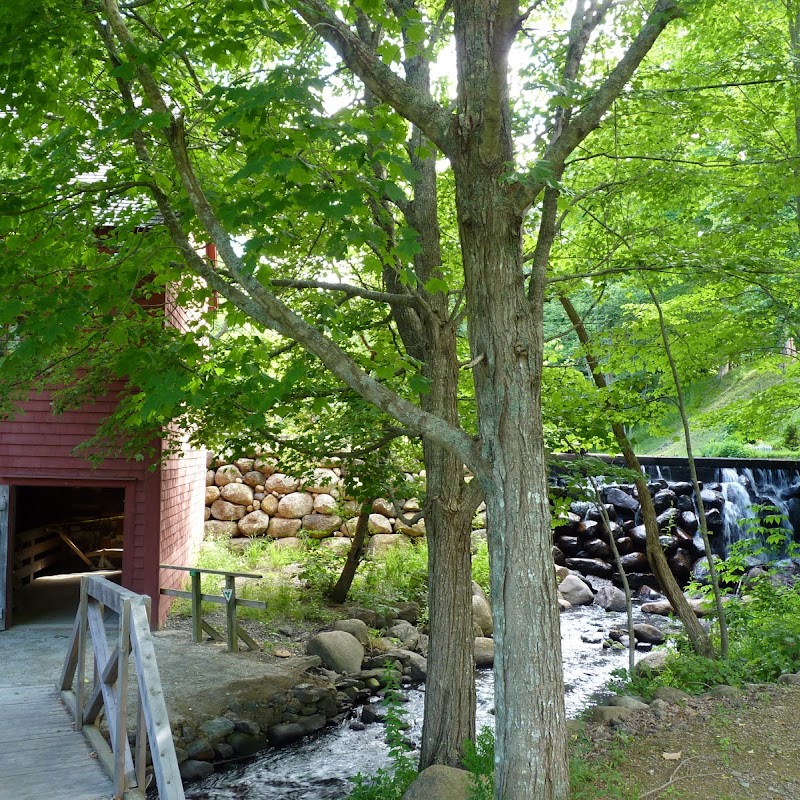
(705, 397)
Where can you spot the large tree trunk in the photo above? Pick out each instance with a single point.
(506, 340)
(530, 745)
(450, 686)
(430, 337)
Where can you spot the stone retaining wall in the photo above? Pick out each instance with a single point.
(248, 497)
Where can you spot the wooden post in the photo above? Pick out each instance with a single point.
(83, 610)
(197, 625)
(230, 614)
(140, 754)
(123, 647)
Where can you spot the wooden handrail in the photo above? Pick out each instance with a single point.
(212, 571)
(110, 690)
(233, 630)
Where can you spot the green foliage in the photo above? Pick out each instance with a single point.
(480, 564)
(398, 576)
(590, 778)
(729, 447)
(389, 783)
(284, 598)
(479, 762)
(791, 437)
(766, 538)
(765, 642)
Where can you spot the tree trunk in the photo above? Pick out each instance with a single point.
(698, 495)
(450, 686)
(430, 337)
(339, 592)
(530, 748)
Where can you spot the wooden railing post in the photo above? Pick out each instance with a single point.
(230, 614)
(123, 646)
(83, 614)
(112, 679)
(197, 599)
(229, 599)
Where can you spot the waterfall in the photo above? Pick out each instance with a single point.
(743, 488)
(738, 506)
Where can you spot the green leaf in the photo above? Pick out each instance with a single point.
(436, 285)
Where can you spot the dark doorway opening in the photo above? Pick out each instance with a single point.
(59, 534)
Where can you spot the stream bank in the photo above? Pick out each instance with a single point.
(320, 767)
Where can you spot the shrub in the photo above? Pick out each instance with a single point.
(764, 630)
(729, 447)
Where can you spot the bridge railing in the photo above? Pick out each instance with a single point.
(108, 690)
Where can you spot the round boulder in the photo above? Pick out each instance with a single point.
(254, 524)
(227, 474)
(383, 506)
(212, 494)
(290, 542)
(484, 652)
(281, 484)
(338, 650)
(269, 504)
(380, 543)
(324, 504)
(355, 627)
(482, 614)
(379, 524)
(222, 509)
(322, 481)
(238, 493)
(440, 782)
(318, 526)
(649, 633)
(253, 478)
(218, 527)
(575, 591)
(280, 528)
(338, 544)
(610, 598)
(295, 505)
(417, 529)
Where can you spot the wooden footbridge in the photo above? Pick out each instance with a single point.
(47, 753)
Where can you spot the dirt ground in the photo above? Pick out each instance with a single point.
(739, 748)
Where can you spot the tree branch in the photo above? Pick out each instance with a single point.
(589, 118)
(415, 106)
(348, 289)
(255, 299)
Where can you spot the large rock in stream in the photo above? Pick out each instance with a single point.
(338, 650)
(575, 591)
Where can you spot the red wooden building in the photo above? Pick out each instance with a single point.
(59, 515)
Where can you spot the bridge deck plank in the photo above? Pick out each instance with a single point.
(41, 755)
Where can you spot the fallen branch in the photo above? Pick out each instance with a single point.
(674, 778)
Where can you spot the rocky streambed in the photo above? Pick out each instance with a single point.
(319, 767)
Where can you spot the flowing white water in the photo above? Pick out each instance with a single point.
(748, 489)
(319, 768)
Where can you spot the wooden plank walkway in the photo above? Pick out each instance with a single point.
(42, 757)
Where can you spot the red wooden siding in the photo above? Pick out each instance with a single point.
(163, 513)
(182, 492)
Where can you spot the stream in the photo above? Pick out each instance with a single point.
(319, 767)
